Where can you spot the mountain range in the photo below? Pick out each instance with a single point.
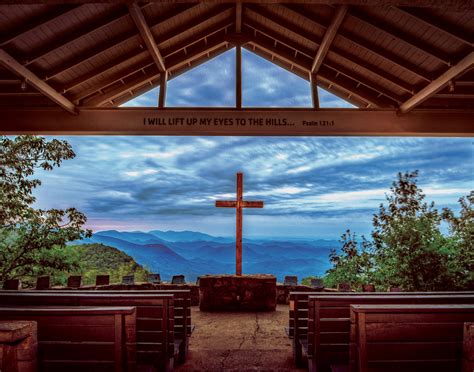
(194, 253)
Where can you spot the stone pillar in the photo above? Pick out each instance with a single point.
(18, 346)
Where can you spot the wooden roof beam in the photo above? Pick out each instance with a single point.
(400, 35)
(344, 82)
(394, 98)
(151, 76)
(175, 73)
(328, 38)
(357, 61)
(364, 44)
(13, 65)
(443, 4)
(141, 65)
(238, 17)
(43, 19)
(437, 84)
(69, 37)
(108, 45)
(142, 26)
(436, 23)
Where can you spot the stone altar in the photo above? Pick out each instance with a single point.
(237, 293)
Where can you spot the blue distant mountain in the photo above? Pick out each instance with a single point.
(193, 253)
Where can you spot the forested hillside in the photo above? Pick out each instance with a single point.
(97, 259)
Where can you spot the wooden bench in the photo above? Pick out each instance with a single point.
(18, 346)
(409, 338)
(328, 337)
(182, 315)
(81, 339)
(183, 326)
(155, 317)
(298, 315)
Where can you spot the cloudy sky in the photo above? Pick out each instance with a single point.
(312, 187)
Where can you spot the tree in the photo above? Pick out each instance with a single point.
(353, 264)
(410, 250)
(32, 240)
(462, 235)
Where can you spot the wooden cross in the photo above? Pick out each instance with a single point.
(239, 204)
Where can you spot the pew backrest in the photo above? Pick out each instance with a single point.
(329, 321)
(155, 316)
(81, 338)
(408, 337)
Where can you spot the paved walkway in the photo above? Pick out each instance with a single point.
(240, 342)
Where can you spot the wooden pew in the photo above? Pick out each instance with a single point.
(155, 317)
(81, 339)
(298, 314)
(409, 338)
(182, 313)
(329, 322)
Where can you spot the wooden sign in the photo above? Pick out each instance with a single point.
(128, 279)
(43, 282)
(74, 281)
(102, 280)
(245, 122)
(154, 278)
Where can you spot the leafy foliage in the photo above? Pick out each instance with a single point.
(408, 249)
(353, 264)
(32, 240)
(99, 259)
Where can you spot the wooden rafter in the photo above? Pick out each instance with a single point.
(238, 17)
(152, 75)
(110, 45)
(379, 90)
(337, 52)
(368, 46)
(142, 26)
(443, 4)
(13, 65)
(187, 43)
(401, 35)
(328, 38)
(343, 82)
(65, 39)
(32, 25)
(137, 52)
(437, 84)
(172, 74)
(422, 16)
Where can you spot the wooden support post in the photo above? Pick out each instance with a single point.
(238, 76)
(314, 90)
(163, 87)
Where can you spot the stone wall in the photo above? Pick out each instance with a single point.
(237, 293)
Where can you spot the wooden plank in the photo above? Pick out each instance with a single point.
(238, 77)
(13, 65)
(291, 122)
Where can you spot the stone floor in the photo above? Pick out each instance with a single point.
(240, 342)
